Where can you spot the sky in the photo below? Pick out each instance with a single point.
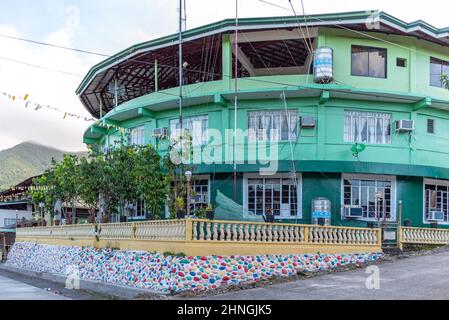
(109, 26)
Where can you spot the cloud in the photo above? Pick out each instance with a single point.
(18, 124)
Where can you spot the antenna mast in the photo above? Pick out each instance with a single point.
(236, 44)
(181, 71)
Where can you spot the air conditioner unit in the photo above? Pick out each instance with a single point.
(436, 216)
(308, 122)
(353, 212)
(405, 126)
(160, 133)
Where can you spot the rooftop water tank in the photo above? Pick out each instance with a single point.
(323, 65)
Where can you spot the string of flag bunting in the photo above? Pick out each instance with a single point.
(38, 106)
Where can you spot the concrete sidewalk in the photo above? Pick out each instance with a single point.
(416, 278)
(15, 290)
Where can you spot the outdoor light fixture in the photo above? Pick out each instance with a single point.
(189, 175)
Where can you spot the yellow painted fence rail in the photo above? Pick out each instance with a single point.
(206, 237)
(408, 235)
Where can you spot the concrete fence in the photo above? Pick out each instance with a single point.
(206, 237)
(408, 235)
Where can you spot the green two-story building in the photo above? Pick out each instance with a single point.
(364, 125)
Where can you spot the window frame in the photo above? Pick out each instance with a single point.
(437, 183)
(369, 48)
(193, 186)
(204, 140)
(370, 177)
(130, 135)
(254, 134)
(205, 177)
(430, 71)
(434, 126)
(367, 115)
(299, 193)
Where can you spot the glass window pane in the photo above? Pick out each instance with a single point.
(377, 63)
(360, 58)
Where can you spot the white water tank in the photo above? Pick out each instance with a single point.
(323, 65)
(321, 212)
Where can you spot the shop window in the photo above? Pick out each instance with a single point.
(279, 195)
(373, 194)
(436, 199)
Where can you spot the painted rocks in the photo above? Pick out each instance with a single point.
(171, 274)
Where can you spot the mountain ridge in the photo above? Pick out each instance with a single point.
(26, 160)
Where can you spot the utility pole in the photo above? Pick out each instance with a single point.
(236, 45)
(181, 71)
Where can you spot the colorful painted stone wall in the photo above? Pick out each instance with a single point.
(167, 274)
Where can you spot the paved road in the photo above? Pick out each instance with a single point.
(14, 286)
(15, 290)
(422, 278)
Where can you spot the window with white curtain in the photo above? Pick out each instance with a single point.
(196, 126)
(368, 127)
(279, 125)
(137, 136)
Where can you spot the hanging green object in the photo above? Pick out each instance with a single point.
(358, 148)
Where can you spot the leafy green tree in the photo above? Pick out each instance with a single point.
(151, 184)
(44, 191)
(445, 80)
(66, 174)
(120, 178)
(91, 182)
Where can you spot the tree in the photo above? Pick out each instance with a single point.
(66, 175)
(151, 185)
(120, 179)
(44, 191)
(91, 182)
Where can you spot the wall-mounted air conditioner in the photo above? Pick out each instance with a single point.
(353, 212)
(308, 122)
(160, 133)
(436, 216)
(405, 126)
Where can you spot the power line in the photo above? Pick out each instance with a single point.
(40, 67)
(54, 45)
(274, 5)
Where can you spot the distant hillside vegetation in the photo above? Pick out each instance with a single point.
(26, 160)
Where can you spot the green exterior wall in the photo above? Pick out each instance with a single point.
(320, 154)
